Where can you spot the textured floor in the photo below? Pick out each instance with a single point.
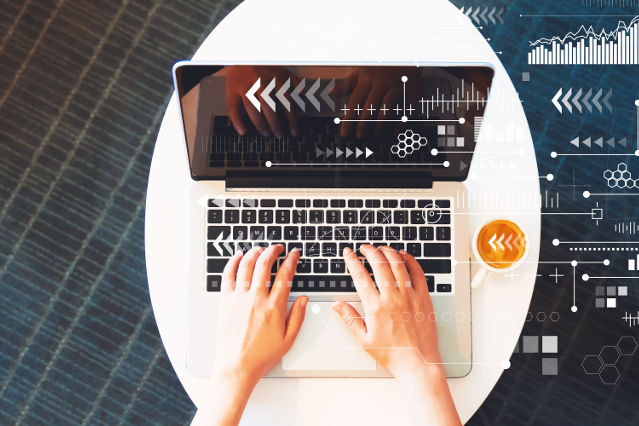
(83, 86)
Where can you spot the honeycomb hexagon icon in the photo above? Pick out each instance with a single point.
(627, 345)
(609, 355)
(620, 178)
(609, 375)
(407, 143)
(592, 364)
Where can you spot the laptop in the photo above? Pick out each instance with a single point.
(325, 156)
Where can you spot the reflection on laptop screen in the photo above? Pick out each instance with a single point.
(332, 125)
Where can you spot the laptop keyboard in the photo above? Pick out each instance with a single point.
(322, 228)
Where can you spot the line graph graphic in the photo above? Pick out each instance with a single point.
(588, 47)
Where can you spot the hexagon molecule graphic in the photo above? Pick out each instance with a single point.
(592, 364)
(627, 345)
(620, 178)
(407, 143)
(609, 375)
(609, 355)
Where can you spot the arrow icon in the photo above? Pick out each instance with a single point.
(462, 166)
(586, 142)
(218, 243)
(606, 100)
(318, 152)
(492, 14)
(575, 142)
(585, 100)
(595, 101)
(501, 246)
(622, 142)
(575, 100)
(507, 242)
(310, 95)
(325, 94)
(348, 152)
(295, 95)
(266, 94)
(280, 95)
(358, 152)
(368, 152)
(329, 152)
(338, 152)
(566, 100)
(555, 100)
(599, 142)
(492, 242)
(250, 95)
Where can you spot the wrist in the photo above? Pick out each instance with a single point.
(237, 383)
(422, 372)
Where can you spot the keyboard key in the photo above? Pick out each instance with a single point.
(389, 204)
(400, 217)
(424, 203)
(436, 250)
(215, 265)
(299, 246)
(384, 216)
(417, 217)
(407, 204)
(435, 266)
(285, 203)
(444, 288)
(213, 282)
(291, 233)
(249, 216)
(324, 233)
(415, 249)
(302, 203)
(215, 216)
(375, 233)
(443, 233)
(333, 216)
(373, 204)
(354, 204)
(445, 219)
(338, 266)
(257, 233)
(323, 283)
(219, 249)
(283, 216)
(426, 233)
(349, 216)
(267, 203)
(243, 246)
(358, 233)
(304, 266)
(320, 266)
(342, 233)
(299, 216)
(338, 203)
(430, 282)
(308, 232)
(232, 202)
(329, 249)
(409, 233)
(265, 216)
(273, 233)
(249, 202)
(442, 204)
(240, 232)
(397, 246)
(213, 232)
(366, 216)
(218, 202)
(316, 216)
(313, 249)
(393, 233)
(232, 216)
(342, 246)
(320, 203)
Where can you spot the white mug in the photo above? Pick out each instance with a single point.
(499, 243)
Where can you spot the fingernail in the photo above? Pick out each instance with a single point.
(265, 132)
(347, 250)
(294, 131)
(279, 134)
(304, 301)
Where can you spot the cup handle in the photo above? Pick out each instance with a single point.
(479, 277)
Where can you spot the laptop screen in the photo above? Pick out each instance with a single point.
(338, 125)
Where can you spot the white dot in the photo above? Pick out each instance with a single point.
(404, 119)
(555, 242)
(553, 154)
(550, 177)
(573, 263)
(446, 163)
(574, 309)
(453, 262)
(316, 308)
(637, 153)
(337, 120)
(585, 277)
(637, 102)
(606, 262)
(586, 194)
(505, 364)
(268, 164)
(404, 79)
(462, 120)
(434, 151)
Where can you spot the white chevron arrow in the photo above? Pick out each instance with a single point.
(266, 94)
(325, 94)
(475, 15)
(606, 100)
(280, 95)
(507, 242)
(295, 94)
(595, 101)
(310, 95)
(555, 100)
(499, 240)
(499, 15)
(575, 100)
(250, 94)
(219, 241)
(585, 100)
(516, 243)
(491, 15)
(566, 100)
(483, 16)
(492, 242)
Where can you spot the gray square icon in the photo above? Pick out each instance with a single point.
(622, 290)
(600, 290)
(530, 344)
(549, 367)
(600, 302)
(549, 344)
(450, 129)
(611, 290)
(525, 76)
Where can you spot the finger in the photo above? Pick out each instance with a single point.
(397, 267)
(357, 98)
(352, 319)
(256, 117)
(234, 102)
(230, 272)
(373, 101)
(295, 320)
(417, 278)
(383, 275)
(263, 265)
(363, 283)
(387, 102)
(245, 271)
(346, 85)
(273, 120)
(284, 278)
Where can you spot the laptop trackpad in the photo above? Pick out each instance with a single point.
(324, 343)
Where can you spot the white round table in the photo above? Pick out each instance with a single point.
(503, 181)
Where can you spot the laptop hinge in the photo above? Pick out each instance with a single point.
(343, 179)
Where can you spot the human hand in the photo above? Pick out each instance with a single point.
(398, 329)
(239, 80)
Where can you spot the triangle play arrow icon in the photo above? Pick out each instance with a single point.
(575, 142)
(348, 152)
(368, 152)
(358, 152)
(338, 152)
(329, 152)
(318, 152)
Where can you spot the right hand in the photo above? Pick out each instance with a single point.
(397, 329)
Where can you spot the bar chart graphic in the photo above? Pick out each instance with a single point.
(588, 47)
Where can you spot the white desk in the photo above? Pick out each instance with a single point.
(506, 180)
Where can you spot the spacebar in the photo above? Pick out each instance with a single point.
(319, 283)
(435, 266)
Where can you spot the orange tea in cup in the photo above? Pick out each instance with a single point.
(501, 244)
